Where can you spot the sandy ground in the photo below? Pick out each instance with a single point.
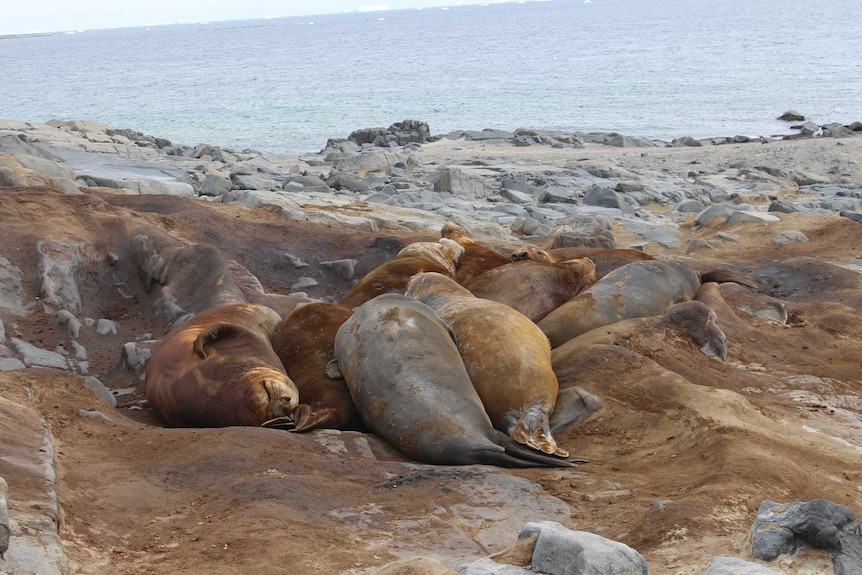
(681, 456)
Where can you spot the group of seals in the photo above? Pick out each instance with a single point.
(450, 372)
(420, 397)
(507, 357)
(392, 276)
(638, 289)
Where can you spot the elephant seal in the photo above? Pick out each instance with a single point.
(534, 288)
(476, 258)
(507, 357)
(410, 387)
(218, 368)
(304, 341)
(606, 260)
(392, 276)
(638, 289)
(690, 320)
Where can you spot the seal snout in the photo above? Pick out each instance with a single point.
(283, 396)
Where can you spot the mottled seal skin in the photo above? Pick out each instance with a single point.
(507, 357)
(638, 289)
(218, 368)
(691, 320)
(392, 276)
(606, 260)
(476, 258)
(305, 343)
(410, 387)
(534, 288)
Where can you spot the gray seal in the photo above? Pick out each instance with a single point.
(410, 386)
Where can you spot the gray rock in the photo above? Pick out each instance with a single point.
(366, 160)
(60, 264)
(215, 185)
(689, 206)
(158, 187)
(783, 528)
(67, 318)
(751, 216)
(782, 206)
(349, 182)
(837, 131)
(295, 261)
(516, 196)
(11, 364)
(106, 326)
(344, 268)
(607, 198)
(790, 236)
(694, 245)
(11, 278)
(2, 332)
(855, 216)
(620, 141)
(686, 141)
(305, 182)
(93, 384)
(715, 211)
(791, 116)
(80, 350)
(457, 182)
(558, 195)
(20, 145)
(136, 356)
(736, 566)
(560, 551)
(93, 413)
(802, 178)
(304, 282)
(252, 182)
(488, 566)
(33, 356)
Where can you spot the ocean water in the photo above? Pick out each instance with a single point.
(652, 68)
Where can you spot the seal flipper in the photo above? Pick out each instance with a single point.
(573, 404)
(212, 334)
(333, 370)
(308, 418)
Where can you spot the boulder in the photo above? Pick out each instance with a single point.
(791, 116)
(458, 182)
(780, 529)
(561, 551)
(607, 198)
(215, 185)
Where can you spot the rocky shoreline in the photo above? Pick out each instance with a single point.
(81, 297)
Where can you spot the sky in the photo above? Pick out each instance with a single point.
(23, 16)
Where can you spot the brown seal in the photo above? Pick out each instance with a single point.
(392, 276)
(305, 343)
(218, 368)
(606, 260)
(534, 288)
(410, 386)
(691, 321)
(476, 258)
(638, 289)
(507, 357)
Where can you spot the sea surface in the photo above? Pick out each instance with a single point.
(652, 68)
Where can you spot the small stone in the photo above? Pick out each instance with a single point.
(107, 326)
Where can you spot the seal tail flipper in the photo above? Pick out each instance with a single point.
(532, 429)
(212, 334)
(537, 458)
(573, 404)
(308, 418)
